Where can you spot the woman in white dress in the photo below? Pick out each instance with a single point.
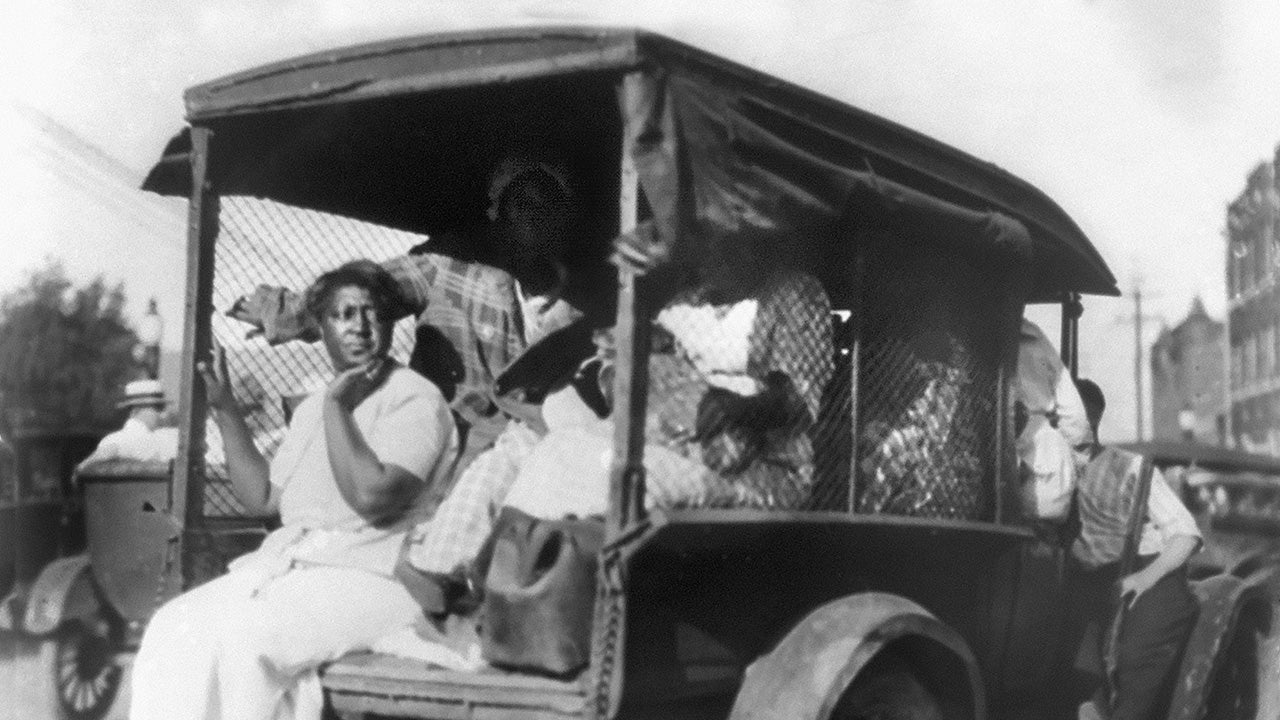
(349, 479)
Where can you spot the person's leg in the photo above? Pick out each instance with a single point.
(295, 623)
(1152, 637)
(175, 670)
(460, 526)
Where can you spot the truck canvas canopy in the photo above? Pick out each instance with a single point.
(366, 131)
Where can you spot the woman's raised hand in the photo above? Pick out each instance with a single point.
(353, 385)
(217, 382)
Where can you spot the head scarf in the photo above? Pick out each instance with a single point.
(516, 166)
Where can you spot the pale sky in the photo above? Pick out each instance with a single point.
(1141, 118)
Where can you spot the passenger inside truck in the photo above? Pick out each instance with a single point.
(742, 355)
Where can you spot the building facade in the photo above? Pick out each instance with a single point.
(1253, 311)
(1188, 380)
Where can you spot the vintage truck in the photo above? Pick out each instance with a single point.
(938, 602)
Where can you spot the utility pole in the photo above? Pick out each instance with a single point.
(1137, 356)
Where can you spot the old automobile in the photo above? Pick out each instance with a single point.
(908, 577)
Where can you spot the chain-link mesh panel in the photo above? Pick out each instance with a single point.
(928, 384)
(264, 242)
(832, 434)
(734, 387)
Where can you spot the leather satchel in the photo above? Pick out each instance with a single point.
(539, 592)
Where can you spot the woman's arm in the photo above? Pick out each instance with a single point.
(247, 469)
(378, 491)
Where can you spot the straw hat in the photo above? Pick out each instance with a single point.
(142, 393)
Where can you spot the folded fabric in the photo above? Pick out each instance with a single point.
(277, 312)
(425, 643)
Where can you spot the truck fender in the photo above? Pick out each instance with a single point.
(1223, 599)
(63, 591)
(807, 673)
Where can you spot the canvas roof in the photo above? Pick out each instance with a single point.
(348, 106)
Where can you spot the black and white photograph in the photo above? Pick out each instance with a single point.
(571, 360)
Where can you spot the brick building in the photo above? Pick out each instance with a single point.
(1188, 380)
(1253, 311)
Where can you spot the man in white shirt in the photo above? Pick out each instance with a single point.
(1046, 388)
(1051, 420)
(141, 438)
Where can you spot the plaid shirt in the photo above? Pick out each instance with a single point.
(474, 307)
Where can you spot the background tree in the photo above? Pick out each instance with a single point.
(65, 352)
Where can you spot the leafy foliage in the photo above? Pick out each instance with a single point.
(65, 352)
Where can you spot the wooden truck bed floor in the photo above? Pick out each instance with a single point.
(388, 685)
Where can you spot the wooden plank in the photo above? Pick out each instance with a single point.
(631, 377)
(359, 705)
(187, 499)
(390, 667)
(392, 685)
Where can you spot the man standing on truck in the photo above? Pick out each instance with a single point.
(1153, 605)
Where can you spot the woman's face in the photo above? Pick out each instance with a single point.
(353, 330)
(534, 223)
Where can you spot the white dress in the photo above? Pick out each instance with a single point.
(247, 645)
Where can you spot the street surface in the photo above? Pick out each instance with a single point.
(21, 697)
(20, 692)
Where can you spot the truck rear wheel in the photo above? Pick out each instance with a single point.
(890, 688)
(1240, 680)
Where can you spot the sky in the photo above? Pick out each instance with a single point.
(1141, 118)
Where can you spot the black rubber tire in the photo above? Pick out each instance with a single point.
(80, 671)
(888, 690)
(1238, 681)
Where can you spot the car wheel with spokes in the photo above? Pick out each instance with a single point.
(80, 667)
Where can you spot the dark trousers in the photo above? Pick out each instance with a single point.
(1153, 633)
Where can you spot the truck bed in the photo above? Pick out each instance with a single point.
(398, 687)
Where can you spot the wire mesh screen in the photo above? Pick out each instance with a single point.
(264, 242)
(832, 433)
(734, 387)
(928, 384)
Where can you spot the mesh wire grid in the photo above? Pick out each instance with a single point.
(928, 359)
(734, 388)
(265, 242)
(928, 386)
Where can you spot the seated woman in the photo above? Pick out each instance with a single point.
(731, 395)
(348, 480)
